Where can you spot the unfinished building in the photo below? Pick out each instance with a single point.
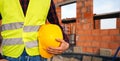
(88, 41)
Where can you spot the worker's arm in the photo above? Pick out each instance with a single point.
(0, 9)
(0, 17)
(52, 18)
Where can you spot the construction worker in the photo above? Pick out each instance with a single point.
(21, 20)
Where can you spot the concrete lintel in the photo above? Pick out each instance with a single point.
(65, 2)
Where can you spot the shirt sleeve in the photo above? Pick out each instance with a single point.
(0, 17)
(53, 19)
(0, 5)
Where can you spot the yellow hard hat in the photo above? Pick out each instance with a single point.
(47, 35)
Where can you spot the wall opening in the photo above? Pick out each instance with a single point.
(108, 23)
(106, 7)
(68, 16)
(68, 11)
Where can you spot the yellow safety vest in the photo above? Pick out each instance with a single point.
(19, 31)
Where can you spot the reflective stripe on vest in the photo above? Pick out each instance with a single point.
(13, 41)
(12, 26)
(31, 44)
(31, 28)
(17, 41)
(19, 25)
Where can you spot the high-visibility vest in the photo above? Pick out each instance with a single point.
(20, 32)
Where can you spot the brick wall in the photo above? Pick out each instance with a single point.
(97, 24)
(118, 23)
(89, 37)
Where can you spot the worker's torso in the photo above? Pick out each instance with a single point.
(20, 31)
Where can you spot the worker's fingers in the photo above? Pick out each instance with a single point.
(52, 50)
(3, 60)
(60, 40)
(58, 50)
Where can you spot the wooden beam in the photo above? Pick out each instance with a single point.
(107, 15)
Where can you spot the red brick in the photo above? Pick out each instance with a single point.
(87, 26)
(79, 4)
(85, 32)
(82, 38)
(104, 45)
(88, 15)
(84, 9)
(104, 32)
(89, 20)
(84, 43)
(97, 38)
(96, 32)
(78, 15)
(60, 1)
(97, 24)
(90, 38)
(80, 28)
(96, 50)
(87, 44)
(114, 45)
(106, 38)
(85, 38)
(95, 44)
(55, 1)
(88, 3)
(78, 43)
(115, 38)
(118, 23)
(79, 32)
(83, 21)
(119, 31)
(114, 31)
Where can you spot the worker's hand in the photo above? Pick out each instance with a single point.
(63, 46)
(3, 60)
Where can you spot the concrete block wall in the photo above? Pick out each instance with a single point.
(89, 37)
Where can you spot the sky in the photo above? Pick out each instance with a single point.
(106, 6)
(99, 7)
(69, 11)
